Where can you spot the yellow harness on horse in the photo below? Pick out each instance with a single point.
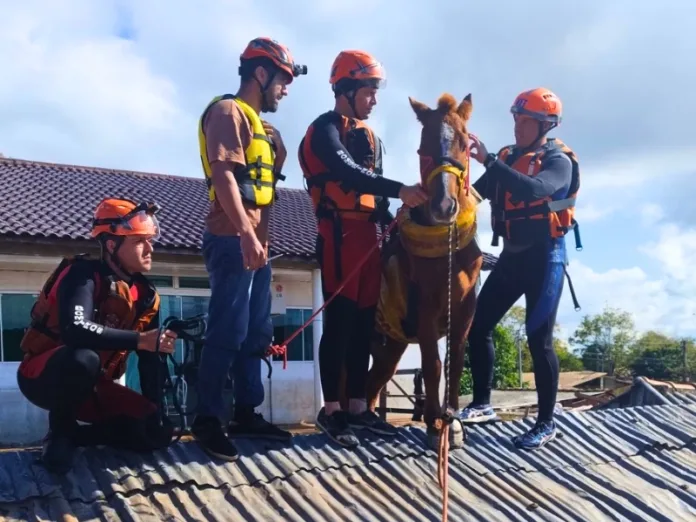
(431, 241)
(420, 241)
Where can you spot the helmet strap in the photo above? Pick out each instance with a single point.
(349, 94)
(112, 257)
(265, 86)
(351, 101)
(540, 135)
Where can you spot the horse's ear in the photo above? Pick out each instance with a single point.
(465, 108)
(421, 109)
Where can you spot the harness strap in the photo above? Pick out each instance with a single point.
(543, 209)
(572, 290)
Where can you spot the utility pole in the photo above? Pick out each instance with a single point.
(519, 361)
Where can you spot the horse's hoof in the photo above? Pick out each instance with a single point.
(457, 434)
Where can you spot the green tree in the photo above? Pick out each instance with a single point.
(604, 340)
(567, 360)
(658, 356)
(505, 367)
(514, 321)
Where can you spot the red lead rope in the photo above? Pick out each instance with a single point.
(282, 349)
(468, 170)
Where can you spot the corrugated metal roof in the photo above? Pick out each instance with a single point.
(681, 398)
(643, 393)
(629, 464)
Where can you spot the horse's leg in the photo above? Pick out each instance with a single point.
(464, 317)
(385, 359)
(432, 369)
(460, 332)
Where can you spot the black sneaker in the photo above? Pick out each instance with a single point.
(253, 425)
(369, 420)
(337, 428)
(212, 439)
(57, 453)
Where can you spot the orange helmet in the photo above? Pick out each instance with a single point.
(357, 67)
(540, 104)
(122, 217)
(264, 47)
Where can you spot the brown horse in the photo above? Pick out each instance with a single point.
(413, 305)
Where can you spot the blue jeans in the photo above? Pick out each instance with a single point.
(239, 326)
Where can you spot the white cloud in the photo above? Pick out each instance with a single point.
(73, 91)
(651, 214)
(675, 250)
(591, 212)
(624, 171)
(82, 95)
(665, 301)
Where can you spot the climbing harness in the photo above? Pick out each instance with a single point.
(190, 330)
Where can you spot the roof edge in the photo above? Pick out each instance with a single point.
(109, 170)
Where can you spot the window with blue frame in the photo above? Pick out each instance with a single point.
(14, 319)
(301, 347)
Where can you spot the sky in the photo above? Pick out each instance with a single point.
(122, 83)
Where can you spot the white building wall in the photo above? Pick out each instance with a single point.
(290, 396)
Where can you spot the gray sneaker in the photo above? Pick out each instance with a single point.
(336, 428)
(369, 420)
(475, 413)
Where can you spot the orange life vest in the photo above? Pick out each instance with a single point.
(521, 221)
(329, 197)
(114, 307)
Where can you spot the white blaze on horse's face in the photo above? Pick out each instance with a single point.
(443, 204)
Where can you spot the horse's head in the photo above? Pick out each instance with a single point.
(444, 161)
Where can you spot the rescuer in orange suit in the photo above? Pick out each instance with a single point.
(341, 158)
(90, 314)
(532, 186)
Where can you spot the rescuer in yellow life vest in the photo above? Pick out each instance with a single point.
(242, 159)
(532, 186)
(90, 314)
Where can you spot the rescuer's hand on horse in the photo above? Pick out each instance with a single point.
(477, 145)
(413, 195)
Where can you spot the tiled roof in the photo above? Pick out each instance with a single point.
(630, 464)
(48, 200)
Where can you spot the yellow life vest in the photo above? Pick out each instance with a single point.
(257, 180)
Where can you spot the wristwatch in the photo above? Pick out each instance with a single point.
(490, 158)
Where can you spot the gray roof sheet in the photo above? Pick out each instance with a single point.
(623, 464)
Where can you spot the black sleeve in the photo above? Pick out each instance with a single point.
(155, 321)
(556, 173)
(481, 186)
(76, 311)
(326, 145)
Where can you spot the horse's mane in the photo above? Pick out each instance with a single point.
(446, 103)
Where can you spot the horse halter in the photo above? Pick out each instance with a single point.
(446, 163)
(454, 167)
